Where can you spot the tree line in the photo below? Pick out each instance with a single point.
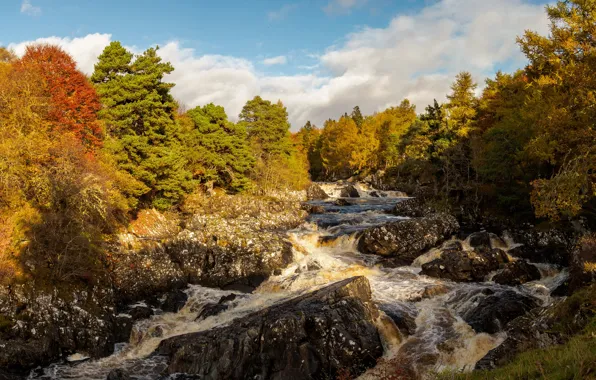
(525, 146)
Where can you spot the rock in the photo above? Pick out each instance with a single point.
(492, 312)
(542, 327)
(211, 309)
(314, 192)
(349, 192)
(404, 319)
(517, 273)
(549, 245)
(313, 209)
(122, 328)
(407, 239)
(412, 207)
(465, 266)
(17, 356)
(342, 202)
(174, 301)
(118, 374)
(140, 312)
(582, 268)
(479, 240)
(316, 335)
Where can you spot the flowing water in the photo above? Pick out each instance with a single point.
(325, 251)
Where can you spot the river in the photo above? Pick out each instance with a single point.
(325, 251)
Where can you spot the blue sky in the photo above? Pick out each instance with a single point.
(320, 57)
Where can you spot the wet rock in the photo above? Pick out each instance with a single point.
(342, 202)
(412, 207)
(479, 240)
(140, 312)
(313, 209)
(404, 319)
(314, 192)
(582, 268)
(517, 273)
(122, 328)
(174, 301)
(465, 266)
(118, 374)
(211, 309)
(492, 312)
(549, 245)
(312, 336)
(407, 239)
(349, 192)
(17, 356)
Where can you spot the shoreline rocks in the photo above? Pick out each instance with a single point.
(316, 335)
(405, 240)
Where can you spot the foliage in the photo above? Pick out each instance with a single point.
(139, 114)
(216, 149)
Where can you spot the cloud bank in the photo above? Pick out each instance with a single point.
(416, 57)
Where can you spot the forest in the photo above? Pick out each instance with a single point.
(80, 156)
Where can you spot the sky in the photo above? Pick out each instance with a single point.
(319, 57)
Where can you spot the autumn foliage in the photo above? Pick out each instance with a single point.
(73, 101)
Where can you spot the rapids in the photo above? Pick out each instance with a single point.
(325, 251)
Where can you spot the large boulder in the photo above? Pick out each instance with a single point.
(314, 192)
(349, 192)
(516, 273)
(546, 245)
(316, 335)
(492, 309)
(407, 239)
(465, 266)
(412, 207)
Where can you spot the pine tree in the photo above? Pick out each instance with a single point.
(267, 126)
(139, 116)
(217, 149)
(357, 117)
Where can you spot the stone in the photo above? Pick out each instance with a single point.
(349, 192)
(412, 207)
(314, 192)
(479, 240)
(407, 239)
(118, 374)
(174, 301)
(516, 273)
(316, 335)
(465, 266)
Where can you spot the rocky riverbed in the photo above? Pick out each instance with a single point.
(246, 288)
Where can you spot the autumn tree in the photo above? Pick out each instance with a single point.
(392, 124)
(139, 115)
(339, 139)
(309, 140)
(561, 74)
(74, 103)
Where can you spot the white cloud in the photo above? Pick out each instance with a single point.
(85, 50)
(282, 12)
(342, 6)
(415, 56)
(30, 9)
(279, 60)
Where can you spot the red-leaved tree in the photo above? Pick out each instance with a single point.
(74, 102)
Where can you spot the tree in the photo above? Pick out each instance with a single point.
(267, 126)
(339, 140)
(74, 103)
(461, 105)
(279, 163)
(392, 124)
(562, 103)
(217, 149)
(139, 114)
(357, 117)
(309, 141)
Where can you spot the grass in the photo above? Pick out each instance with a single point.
(574, 360)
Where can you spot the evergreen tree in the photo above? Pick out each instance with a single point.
(309, 137)
(217, 149)
(267, 126)
(357, 117)
(139, 117)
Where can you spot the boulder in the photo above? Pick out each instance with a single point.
(479, 240)
(548, 245)
(412, 207)
(494, 309)
(465, 266)
(516, 273)
(212, 308)
(407, 239)
(316, 335)
(174, 301)
(118, 374)
(314, 192)
(349, 192)
(313, 209)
